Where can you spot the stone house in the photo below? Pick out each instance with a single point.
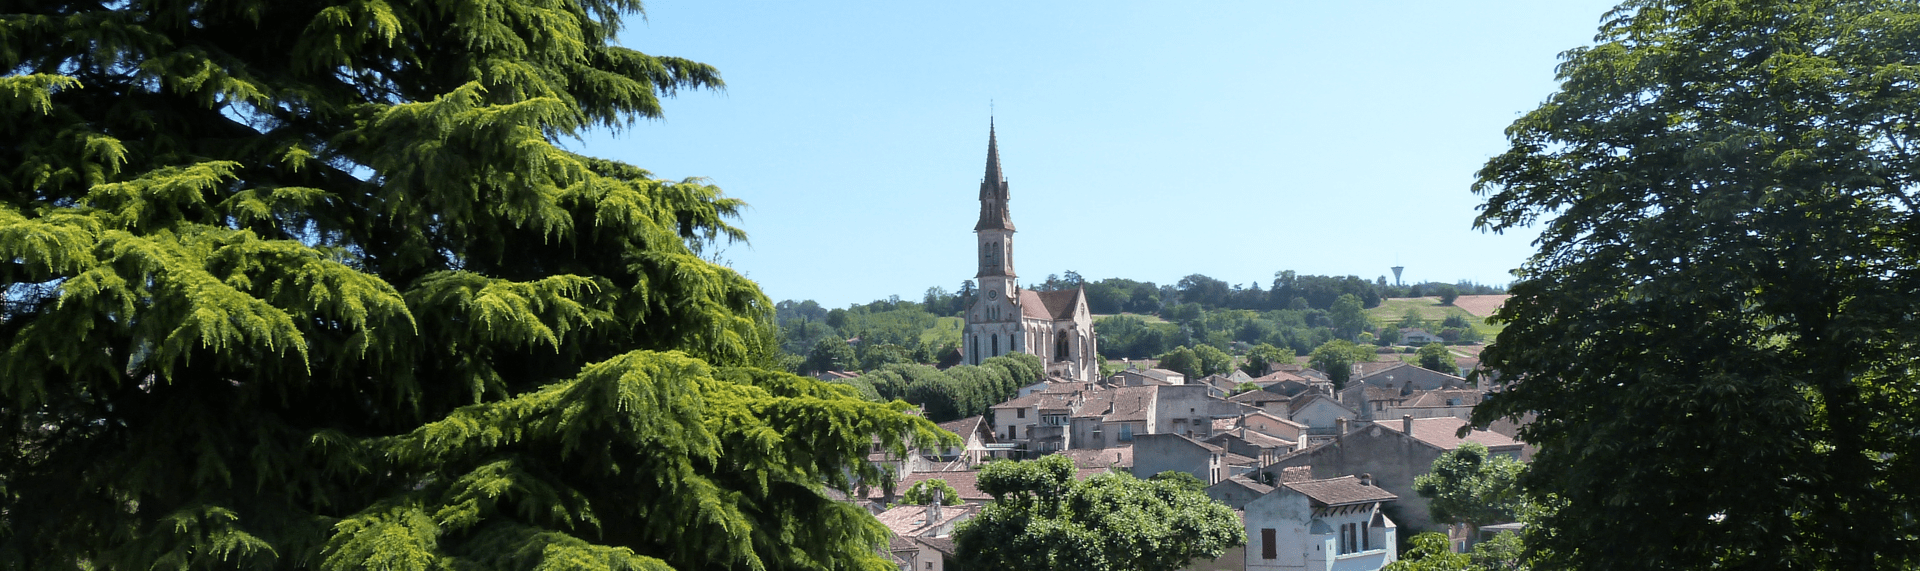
(1274, 425)
(1156, 453)
(1334, 524)
(1236, 491)
(1404, 376)
(1262, 448)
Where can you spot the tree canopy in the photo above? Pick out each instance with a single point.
(1436, 357)
(311, 285)
(1717, 331)
(1468, 485)
(926, 492)
(1041, 518)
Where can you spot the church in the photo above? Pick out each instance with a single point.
(1052, 325)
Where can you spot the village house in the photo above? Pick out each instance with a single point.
(1334, 524)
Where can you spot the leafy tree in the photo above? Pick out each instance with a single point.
(1336, 359)
(925, 492)
(1245, 387)
(1348, 318)
(1212, 361)
(1431, 552)
(1041, 518)
(1447, 294)
(1263, 355)
(1182, 479)
(1436, 357)
(1181, 360)
(1470, 486)
(312, 285)
(1412, 320)
(831, 354)
(1504, 552)
(1389, 336)
(1716, 333)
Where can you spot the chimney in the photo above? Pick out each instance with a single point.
(1406, 424)
(1366, 479)
(1340, 426)
(933, 509)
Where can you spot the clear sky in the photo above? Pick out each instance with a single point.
(1140, 140)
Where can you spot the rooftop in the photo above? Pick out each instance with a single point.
(1340, 491)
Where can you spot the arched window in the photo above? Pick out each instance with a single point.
(1060, 348)
(996, 346)
(976, 349)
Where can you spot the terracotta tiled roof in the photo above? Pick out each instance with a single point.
(1248, 483)
(962, 482)
(943, 545)
(1131, 403)
(1295, 405)
(1221, 424)
(1101, 458)
(1056, 305)
(1276, 377)
(1258, 438)
(964, 427)
(1441, 432)
(1439, 397)
(1371, 368)
(1272, 418)
(1232, 459)
(1340, 491)
(1296, 474)
(1251, 397)
(910, 520)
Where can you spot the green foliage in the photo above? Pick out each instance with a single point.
(1436, 357)
(1134, 338)
(1447, 294)
(831, 354)
(1504, 552)
(1336, 359)
(1263, 355)
(1245, 387)
(1182, 479)
(926, 492)
(1042, 519)
(311, 285)
(1431, 552)
(1348, 319)
(1717, 331)
(1196, 362)
(1468, 485)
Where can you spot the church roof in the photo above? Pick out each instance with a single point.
(1050, 305)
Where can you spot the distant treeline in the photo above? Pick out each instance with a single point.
(1294, 311)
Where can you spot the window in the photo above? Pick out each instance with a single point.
(976, 349)
(1268, 547)
(1366, 543)
(996, 345)
(1022, 413)
(1126, 432)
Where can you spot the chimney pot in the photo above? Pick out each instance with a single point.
(1366, 479)
(1340, 425)
(1406, 424)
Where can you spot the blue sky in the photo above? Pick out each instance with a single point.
(1140, 140)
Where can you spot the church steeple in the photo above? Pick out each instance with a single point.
(993, 189)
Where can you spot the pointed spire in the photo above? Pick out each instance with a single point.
(993, 188)
(993, 156)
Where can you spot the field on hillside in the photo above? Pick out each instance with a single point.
(1147, 317)
(1391, 310)
(1480, 305)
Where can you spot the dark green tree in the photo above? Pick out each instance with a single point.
(924, 492)
(1348, 317)
(1470, 486)
(1041, 518)
(1336, 359)
(1182, 479)
(1431, 552)
(1436, 357)
(831, 354)
(303, 285)
(1212, 361)
(1447, 294)
(1717, 331)
(1180, 360)
(1263, 355)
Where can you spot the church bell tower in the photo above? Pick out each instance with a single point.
(993, 323)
